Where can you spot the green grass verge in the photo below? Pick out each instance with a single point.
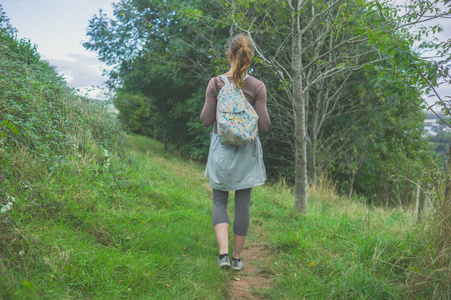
(141, 229)
(339, 250)
(137, 230)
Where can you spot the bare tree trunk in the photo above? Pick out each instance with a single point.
(352, 185)
(301, 184)
(407, 190)
(448, 178)
(421, 199)
(311, 160)
(386, 197)
(312, 141)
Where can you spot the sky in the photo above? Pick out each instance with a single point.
(58, 28)
(444, 89)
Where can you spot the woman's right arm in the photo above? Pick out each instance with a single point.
(208, 114)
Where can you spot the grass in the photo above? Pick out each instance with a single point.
(135, 231)
(141, 229)
(339, 253)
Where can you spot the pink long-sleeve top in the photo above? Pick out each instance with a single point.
(254, 91)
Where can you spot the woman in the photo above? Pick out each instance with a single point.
(233, 168)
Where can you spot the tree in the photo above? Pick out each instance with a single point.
(319, 99)
(300, 135)
(428, 74)
(326, 50)
(166, 57)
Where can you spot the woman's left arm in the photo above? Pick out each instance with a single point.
(260, 107)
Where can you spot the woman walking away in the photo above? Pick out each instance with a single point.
(234, 167)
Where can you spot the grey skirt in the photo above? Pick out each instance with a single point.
(231, 168)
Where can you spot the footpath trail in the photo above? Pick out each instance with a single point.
(252, 281)
(254, 276)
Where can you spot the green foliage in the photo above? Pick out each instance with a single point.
(136, 113)
(41, 113)
(165, 53)
(162, 59)
(371, 134)
(439, 145)
(47, 132)
(385, 147)
(8, 125)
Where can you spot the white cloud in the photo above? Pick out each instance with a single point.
(97, 3)
(58, 28)
(80, 70)
(444, 90)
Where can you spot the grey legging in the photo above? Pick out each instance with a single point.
(242, 209)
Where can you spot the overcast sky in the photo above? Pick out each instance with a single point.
(58, 27)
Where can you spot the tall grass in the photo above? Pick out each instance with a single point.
(141, 229)
(135, 230)
(435, 261)
(339, 250)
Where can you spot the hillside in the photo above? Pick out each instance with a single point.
(141, 229)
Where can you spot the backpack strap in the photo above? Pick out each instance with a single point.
(224, 79)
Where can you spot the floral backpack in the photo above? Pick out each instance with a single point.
(237, 120)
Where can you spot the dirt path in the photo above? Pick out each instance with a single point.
(254, 274)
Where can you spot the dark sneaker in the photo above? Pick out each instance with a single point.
(237, 265)
(224, 262)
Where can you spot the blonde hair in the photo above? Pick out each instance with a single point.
(242, 49)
